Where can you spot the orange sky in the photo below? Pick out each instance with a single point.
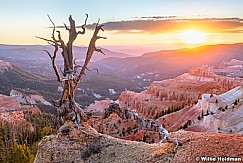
(126, 22)
(167, 33)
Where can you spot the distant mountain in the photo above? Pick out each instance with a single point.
(35, 52)
(133, 73)
(12, 77)
(137, 50)
(32, 58)
(171, 63)
(140, 70)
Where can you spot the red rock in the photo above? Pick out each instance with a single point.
(12, 111)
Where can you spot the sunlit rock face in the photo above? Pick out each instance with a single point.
(214, 113)
(12, 111)
(226, 112)
(72, 145)
(98, 107)
(201, 72)
(182, 91)
(200, 86)
(87, 145)
(234, 68)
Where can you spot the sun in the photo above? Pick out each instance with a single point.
(193, 37)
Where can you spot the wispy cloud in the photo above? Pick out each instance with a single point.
(168, 24)
(159, 24)
(159, 17)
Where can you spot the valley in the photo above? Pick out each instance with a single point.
(183, 96)
(117, 71)
(193, 101)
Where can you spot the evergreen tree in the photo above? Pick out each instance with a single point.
(20, 154)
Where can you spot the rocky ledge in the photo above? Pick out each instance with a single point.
(87, 145)
(72, 145)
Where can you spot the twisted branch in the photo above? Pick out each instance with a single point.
(55, 44)
(54, 66)
(82, 32)
(145, 124)
(90, 51)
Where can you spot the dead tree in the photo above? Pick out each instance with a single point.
(144, 124)
(72, 74)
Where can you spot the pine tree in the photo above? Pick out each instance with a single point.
(20, 154)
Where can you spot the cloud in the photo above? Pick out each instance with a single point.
(158, 17)
(168, 24)
(172, 24)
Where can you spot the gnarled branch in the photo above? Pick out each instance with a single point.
(99, 50)
(145, 124)
(82, 32)
(54, 43)
(48, 40)
(54, 29)
(54, 66)
(89, 53)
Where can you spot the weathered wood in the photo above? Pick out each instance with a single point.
(68, 108)
(72, 37)
(144, 124)
(54, 66)
(91, 49)
(55, 44)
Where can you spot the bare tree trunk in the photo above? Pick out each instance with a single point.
(67, 107)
